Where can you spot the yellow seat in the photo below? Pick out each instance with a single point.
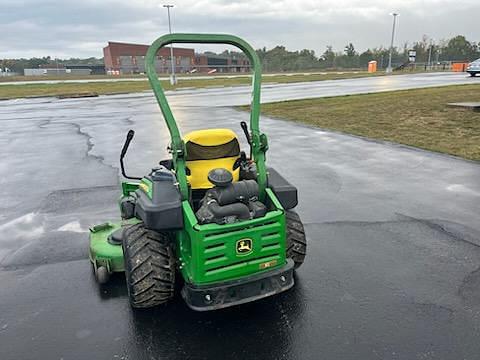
(210, 149)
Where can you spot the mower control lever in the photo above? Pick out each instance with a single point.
(244, 126)
(129, 138)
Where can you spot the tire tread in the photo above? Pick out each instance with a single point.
(149, 266)
(296, 239)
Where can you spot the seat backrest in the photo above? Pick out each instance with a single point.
(210, 149)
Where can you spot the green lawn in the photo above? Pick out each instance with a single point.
(418, 118)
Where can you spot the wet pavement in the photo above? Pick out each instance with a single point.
(439, 76)
(393, 264)
(240, 95)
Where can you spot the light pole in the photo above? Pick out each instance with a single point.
(173, 79)
(389, 67)
(430, 55)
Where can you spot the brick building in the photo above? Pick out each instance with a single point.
(124, 58)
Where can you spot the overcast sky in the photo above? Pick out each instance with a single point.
(81, 28)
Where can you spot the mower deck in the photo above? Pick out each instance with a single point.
(106, 254)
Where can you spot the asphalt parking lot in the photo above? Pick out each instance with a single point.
(393, 264)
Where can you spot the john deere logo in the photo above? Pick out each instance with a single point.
(244, 246)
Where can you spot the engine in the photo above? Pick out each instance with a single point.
(228, 201)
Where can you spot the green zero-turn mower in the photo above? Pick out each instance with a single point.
(212, 218)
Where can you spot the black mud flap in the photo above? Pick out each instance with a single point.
(236, 292)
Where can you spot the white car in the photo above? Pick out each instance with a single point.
(474, 68)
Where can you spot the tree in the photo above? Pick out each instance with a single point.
(328, 57)
(365, 57)
(350, 50)
(459, 48)
(350, 59)
(280, 59)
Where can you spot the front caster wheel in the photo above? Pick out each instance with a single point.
(102, 275)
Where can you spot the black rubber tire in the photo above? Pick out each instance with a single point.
(296, 239)
(102, 275)
(149, 266)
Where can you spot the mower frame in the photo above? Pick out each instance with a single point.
(215, 273)
(259, 140)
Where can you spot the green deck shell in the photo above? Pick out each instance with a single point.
(101, 252)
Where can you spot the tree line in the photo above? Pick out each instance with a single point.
(17, 65)
(457, 48)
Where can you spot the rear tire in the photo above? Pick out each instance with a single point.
(149, 266)
(296, 240)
